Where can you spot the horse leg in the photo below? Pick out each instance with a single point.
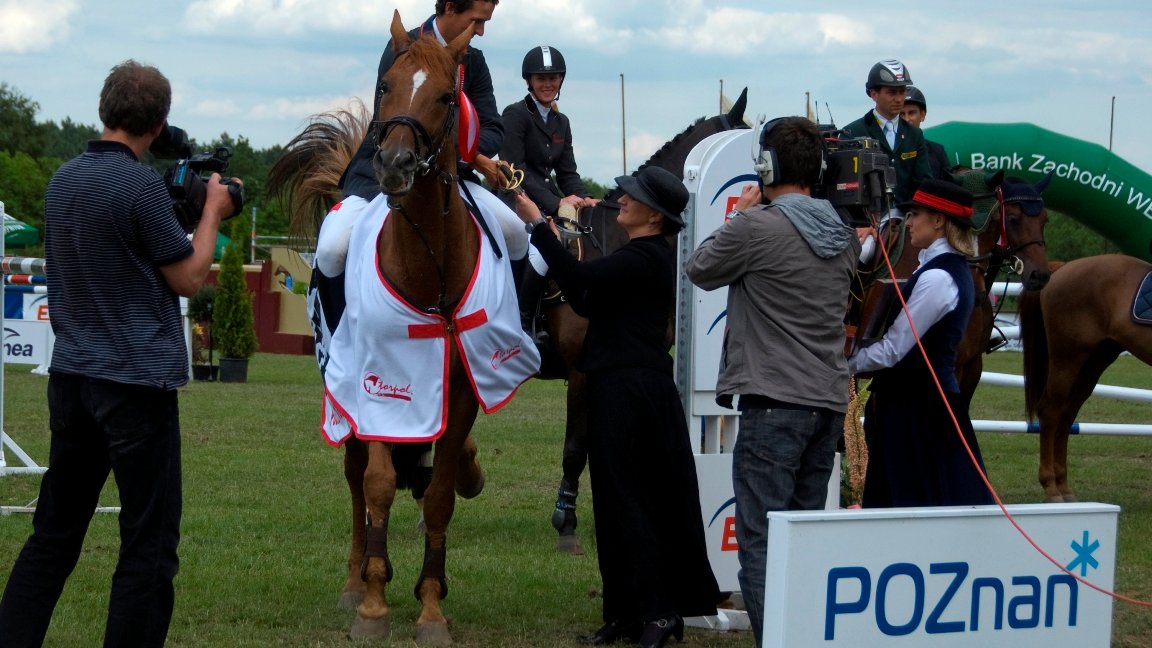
(574, 460)
(469, 475)
(372, 615)
(355, 462)
(1075, 381)
(452, 451)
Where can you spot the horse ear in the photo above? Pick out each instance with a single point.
(459, 45)
(993, 179)
(736, 114)
(1044, 182)
(400, 39)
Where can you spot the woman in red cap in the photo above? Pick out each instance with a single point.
(915, 454)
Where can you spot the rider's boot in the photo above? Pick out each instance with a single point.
(531, 289)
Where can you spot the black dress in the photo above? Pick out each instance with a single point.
(649, 528)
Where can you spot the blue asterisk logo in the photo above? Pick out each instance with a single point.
(1084, 558)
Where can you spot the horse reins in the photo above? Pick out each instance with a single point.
(423, 167)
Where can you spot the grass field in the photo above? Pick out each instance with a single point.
(266, 518)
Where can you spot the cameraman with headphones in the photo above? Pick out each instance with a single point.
(788, 266)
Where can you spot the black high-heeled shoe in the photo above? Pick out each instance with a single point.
(612, 632)
(657, 631)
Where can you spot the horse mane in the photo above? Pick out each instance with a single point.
(615, 193)
(306, 176)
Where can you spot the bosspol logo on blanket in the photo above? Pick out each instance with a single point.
(374, 385)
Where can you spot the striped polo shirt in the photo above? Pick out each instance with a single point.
(108, 228)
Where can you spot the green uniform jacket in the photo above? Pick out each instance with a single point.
(910, 159)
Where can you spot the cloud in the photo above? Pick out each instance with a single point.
(270, 18)
(34, 27)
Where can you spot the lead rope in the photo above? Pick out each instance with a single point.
(984, 477)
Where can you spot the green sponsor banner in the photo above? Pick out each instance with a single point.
(1089, 183)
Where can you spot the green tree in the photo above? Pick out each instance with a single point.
(595, 189)
(19, 131)
(23, 180)
(232, 318)
(69, 139)
(1067, 239)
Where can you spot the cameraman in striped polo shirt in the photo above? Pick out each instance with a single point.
(117, 262)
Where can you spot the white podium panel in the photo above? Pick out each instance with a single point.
(943, 577)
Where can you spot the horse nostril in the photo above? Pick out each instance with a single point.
(1037, 280)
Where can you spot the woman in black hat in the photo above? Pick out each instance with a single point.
(649, 529)
(916, 457)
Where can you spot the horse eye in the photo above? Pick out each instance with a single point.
(446, 98)
(384, 87)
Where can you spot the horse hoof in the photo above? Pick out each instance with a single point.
(350, 600)
(433, 634)
(1069, 497)
(569, 544)
(1054, 499)
(370, 629)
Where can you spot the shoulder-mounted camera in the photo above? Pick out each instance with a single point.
(858, 180)
(187, 181)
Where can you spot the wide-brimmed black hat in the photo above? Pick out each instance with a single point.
(659, 189)
(945, 197)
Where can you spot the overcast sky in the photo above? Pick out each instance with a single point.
(259, 68)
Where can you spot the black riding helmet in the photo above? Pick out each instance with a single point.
(543, 59)
(889, 72)
(912, 95)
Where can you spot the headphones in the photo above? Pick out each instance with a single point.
(764, 160)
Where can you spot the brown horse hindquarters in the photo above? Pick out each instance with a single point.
(1085, 312)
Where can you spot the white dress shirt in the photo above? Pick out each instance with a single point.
(934, 296)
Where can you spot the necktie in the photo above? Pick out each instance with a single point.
(890, 135)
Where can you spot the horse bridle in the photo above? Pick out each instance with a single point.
(423, 167)
(1010, 251)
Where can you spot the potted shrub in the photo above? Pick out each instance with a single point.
(232, 319)
(200, 314)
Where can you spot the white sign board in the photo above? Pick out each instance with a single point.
(27, 342)
(714, 172)
(943, 577)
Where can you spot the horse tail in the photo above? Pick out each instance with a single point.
(1035, 342)
(306, 176)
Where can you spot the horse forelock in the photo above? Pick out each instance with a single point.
(427, 54)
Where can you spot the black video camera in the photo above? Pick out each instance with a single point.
(187, 181)
(858, 180)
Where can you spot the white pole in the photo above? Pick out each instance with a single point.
(1111, 391)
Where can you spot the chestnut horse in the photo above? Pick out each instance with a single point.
(1072, 331)
(426, 252)
(602, 235)
(1007, 239)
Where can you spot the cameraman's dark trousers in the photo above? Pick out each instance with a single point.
(99, 427)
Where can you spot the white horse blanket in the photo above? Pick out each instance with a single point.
(388, 365)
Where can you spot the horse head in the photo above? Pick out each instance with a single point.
(418, 108)
(1023, 217)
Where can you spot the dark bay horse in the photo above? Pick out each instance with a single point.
(1072, 331)
(601, 236)
(426, 252)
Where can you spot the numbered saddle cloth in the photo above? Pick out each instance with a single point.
(1142, 302)
(387, 371)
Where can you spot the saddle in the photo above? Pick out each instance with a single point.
(1142, 301)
